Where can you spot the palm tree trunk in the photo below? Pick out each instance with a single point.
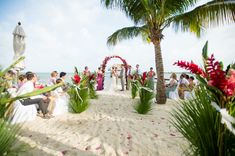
(161, 95)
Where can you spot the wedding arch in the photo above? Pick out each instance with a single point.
(103, 66)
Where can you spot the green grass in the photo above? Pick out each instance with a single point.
(79, 99)
(144, 104)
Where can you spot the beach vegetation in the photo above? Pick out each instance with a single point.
(79, 99)
(144, 105)
(200, 124)
(207, 121)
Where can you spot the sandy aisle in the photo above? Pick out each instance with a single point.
(109, 127)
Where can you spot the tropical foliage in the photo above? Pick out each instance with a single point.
(199, 123)
(79, 99)
(220, 83)
(151, 17)
(198, 119)
(144, 105)
(134, 88)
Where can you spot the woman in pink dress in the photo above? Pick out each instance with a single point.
(100, 79)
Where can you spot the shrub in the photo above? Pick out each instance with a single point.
(79, 99)
(145, 104)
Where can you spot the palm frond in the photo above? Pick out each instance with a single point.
(36, 92)
(145, 103)
(134, 88)
(7, 137)
(12, 66)
(127, 33)
(211, 14)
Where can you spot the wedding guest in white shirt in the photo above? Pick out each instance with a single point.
(183, 85)
(28, 87)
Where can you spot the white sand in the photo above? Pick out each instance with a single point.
(109, 127)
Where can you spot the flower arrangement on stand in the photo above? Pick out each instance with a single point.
(78, 93)
(140, 85)
(214, 104)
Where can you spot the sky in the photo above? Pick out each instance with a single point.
(62, 34)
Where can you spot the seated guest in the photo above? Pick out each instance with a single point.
(63, 76)
(21, 80)
(28, 87)
(172, 84)
(61, 100)
(183, 85)
(53, 78)
(9, 77)
(191, 84)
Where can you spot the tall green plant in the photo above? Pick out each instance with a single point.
(79, 99)
(152, 17)
(134, 88)
(144, 105)
(199, 123)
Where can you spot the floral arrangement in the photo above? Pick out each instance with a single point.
(103, 65)
(219, 82)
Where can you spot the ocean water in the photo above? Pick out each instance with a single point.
(44, 78)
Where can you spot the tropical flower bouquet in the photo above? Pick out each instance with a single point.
(78, 93)
(140, 85)
(207, 120)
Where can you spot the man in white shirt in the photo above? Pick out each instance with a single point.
(28, 87)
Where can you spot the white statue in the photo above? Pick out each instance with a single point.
(19, 45)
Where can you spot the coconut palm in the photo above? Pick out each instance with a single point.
(151, 17)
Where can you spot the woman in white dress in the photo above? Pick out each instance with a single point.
(113, 85)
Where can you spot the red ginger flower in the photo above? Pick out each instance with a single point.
(193, 68)
(217, 77)
(77, 79)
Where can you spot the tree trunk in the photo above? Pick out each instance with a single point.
(161, 95)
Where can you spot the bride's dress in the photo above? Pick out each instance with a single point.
(113, 85)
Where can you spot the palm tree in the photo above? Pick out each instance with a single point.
(151, 17)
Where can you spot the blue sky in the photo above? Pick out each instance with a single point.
(62, 34)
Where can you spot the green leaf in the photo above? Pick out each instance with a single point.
(144, 104)
(11, 66)
(36, 92)
(205, 51)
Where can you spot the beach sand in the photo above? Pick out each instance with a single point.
(109, 127)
